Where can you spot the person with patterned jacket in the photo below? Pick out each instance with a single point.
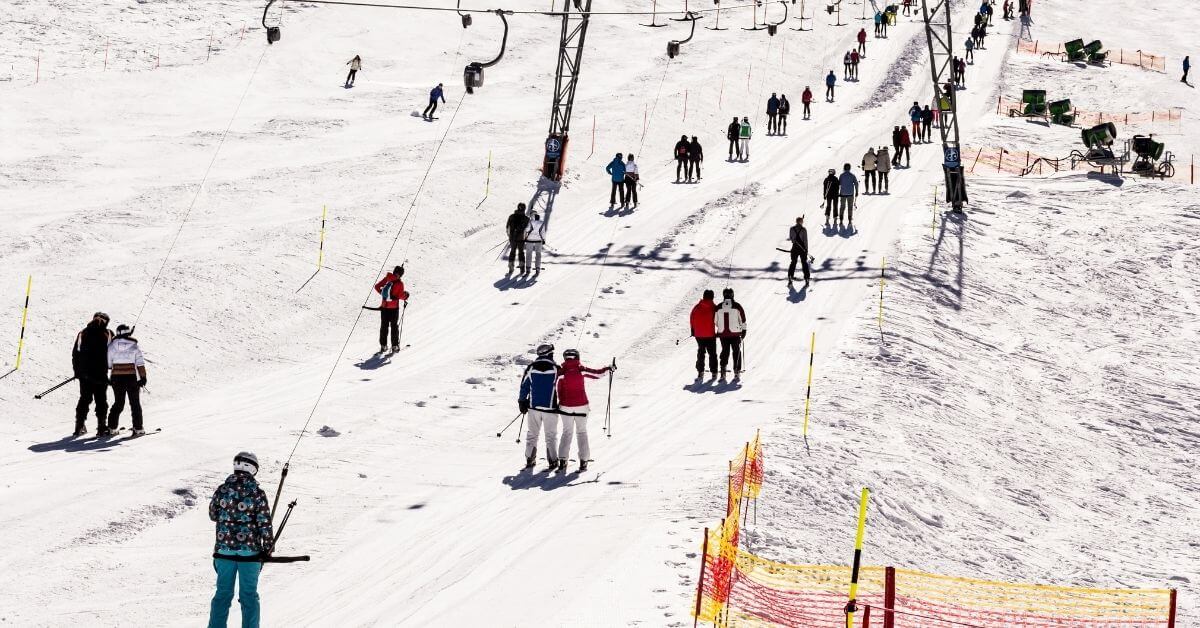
(244, 536)
(539, 399)
(573, 406)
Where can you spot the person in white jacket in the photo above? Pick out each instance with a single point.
(535, 237)
(128, 376)
(631, 182)
(355, 65)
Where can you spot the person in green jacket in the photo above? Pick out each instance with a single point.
(744, 138)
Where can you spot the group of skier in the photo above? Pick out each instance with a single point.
(624, 174)
(688, 156)
(711, 323)
(738, 133)
(553, 395)
(100, 359)
(778, 109)
(840, 191)
(526, 232)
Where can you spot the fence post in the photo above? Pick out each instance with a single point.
(867, 616)
(37, 73)
(105, 54)
(972, 170)
(1000, 162)
(209, 55)
(858, 545)
(593, 136)
(700, 582)
(721, 96)
(889, 597)
(1035, 44)
(685, 105)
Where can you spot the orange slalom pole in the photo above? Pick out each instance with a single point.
(700, 582)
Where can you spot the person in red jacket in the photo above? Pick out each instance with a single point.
(705, 332)
(806, 98)
(905, 145)
(391, 290)
(573, 406)
(862, 41)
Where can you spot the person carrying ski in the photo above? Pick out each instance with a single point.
(806, 99)
(847, 193)
(631, 181)
(517, 222)
(391, 292)
(681, 158)
(731, 134)
(128, 370)
(829, 188)
(830, 81)
(772, 113)
(730, 325)
(927, 124)
(703, 324)
(695, 156)
(869, 165)
(905, 145)
(355, 65)
(573, 407)
(798, 236)
(969, 44)
(854, 59)
(434, 95)
(535, 239)
(862, 41)
(1187, 65)
(883, 166)
(538, 400)
(744, 139)
(785, 108)
(616, 169)
(242, 513)
(89, 362)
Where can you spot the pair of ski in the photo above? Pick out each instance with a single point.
(119, 431)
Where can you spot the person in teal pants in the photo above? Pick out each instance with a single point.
(244, 535)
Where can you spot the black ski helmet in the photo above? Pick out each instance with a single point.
(545, 350)
(571, 354)
(727, 293)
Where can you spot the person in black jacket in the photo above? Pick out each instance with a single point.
(89, 361)
(732, 135)
(681, 158)
(785, 108)
(830, 191)
(695, 156)
(798, 236)
(517, 222)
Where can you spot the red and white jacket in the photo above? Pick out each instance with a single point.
(572, 394)
(730, 319)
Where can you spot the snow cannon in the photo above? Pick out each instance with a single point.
(1099, 140)
(1095, 52)
(1035, 102)
(473, 73)
(1149, 153)
(1061, 112)
(1074, 50)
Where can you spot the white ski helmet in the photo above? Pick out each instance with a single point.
(246, 461)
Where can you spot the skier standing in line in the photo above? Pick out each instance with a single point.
(772, 113)
(806, 100)
(829, 188)
(539, 400)
(573, 407)
(434, 95)
(785, 108)
(830, 81)
(128, 378)
(878, 24)
(391, 292)
(846, 72)
(695, 156)
(744, 139)
(969, 45)
(883, 163)
(517, 222)
(798, 236)
(896, 145)
(702, 321)
(731, 134)
(535, 239)
(914, 116)
(631, 181)
(616, 169)
(730, 325)
(927, 123)
(355, 65)
(905, 145)
(854, 59)
(847, 193)
(89, 361)
(244, 535)
(869, 165)
(681, 158)
(862, 41)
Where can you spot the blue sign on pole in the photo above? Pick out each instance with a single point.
(951, 158)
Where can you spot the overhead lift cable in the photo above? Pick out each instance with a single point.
(462, 11)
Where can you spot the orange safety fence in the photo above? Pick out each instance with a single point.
(1144, 60)
(1171, 116)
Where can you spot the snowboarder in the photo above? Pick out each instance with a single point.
(1187, 65)
(830, 81)
(785, 108)
(806, 99)
(744, 139)
(244, 535)
(798, 236)
(616, 169)
(434, 95)
(631, 181)
(89, 361)
(914, 116)
(883, 166)
(862, 41)
(681, 158)
(927, 124)
(905, 146)
(695, 156)
(535, 239)
(355, 65)
(830, 187)
(573, 407)
(730, 325)
(772, 113)
(847, 193)
(517, 222)
(539, 401)
(128, 378)
(391, 292)
(869, 166)
(731, 134)
(704, 331)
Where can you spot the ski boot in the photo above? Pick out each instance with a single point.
(562, 465)
(383, 348)
(583, 466)
(80, 430)
(553, 465)
(395, 348)
(530, 462)
(138, 432)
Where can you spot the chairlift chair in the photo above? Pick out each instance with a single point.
(773, 27)
(466, 17)
(673, 45)
(754, 17)
(800, 17)
(717, 24)
(273, 32)
(473, 73)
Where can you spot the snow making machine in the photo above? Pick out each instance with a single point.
(1074, 51)
(1061, 112)
(1153, 160)
(1099, 141)
(1096, 55)
(1033, 105)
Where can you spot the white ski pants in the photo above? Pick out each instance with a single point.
(744, 144)
(534, 252)
(536, 419)
(575, 422)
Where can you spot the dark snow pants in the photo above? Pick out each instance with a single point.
(92, 389)
(429, 111)
(516, 249)
(389, 319)
(125, 386)
(734, 344)
(706, 347)
(618, 189)
(802, 255)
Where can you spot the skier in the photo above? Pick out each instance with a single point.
(806, 98)
(772, 113)
(862, 41)
(704, 331)
(535, 238)
(847, 193)
(878, 24)
(1007, 10)
(730, 325)
(517, 222)
(914, 116)
(244, 536)
(905, 145)
(830, 81)
(695, 156)
(854, 59)
(573, 407)
(434, 95)
(128, 378)
(1187, 65)
(681, 158)
(539, 400)
(869, 165)
(744, 139)
(896, 145)
(731, 134)
(631, 181)
(830, 188)
(355, 65)
(89, 361)
(798, 236)
(969, 44)
(785, 108)
(846, 74)
(616, 168)
(927, 124)
(391, 292)
(962, 71)
(883, 166)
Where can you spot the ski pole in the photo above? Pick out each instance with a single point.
(279, 491)
(54, 388)
(509, 424)
(521, 428)
(400, 334)
(608, 407)
(283, 522)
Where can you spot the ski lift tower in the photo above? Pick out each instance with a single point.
(941, 53)
(575, 17)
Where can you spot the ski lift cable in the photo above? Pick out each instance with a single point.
(460, 10)
(199, 189)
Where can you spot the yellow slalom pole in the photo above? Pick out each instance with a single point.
(851, 607)
(812, 349)
(321, 246)
(487, 187)
(933, 218)
(882, 270)
(24, 317)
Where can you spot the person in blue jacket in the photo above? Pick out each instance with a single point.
(830, 81)
(616, 168)
(772, 114)
(434, 95)
(1187, 65)
(539, 401)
